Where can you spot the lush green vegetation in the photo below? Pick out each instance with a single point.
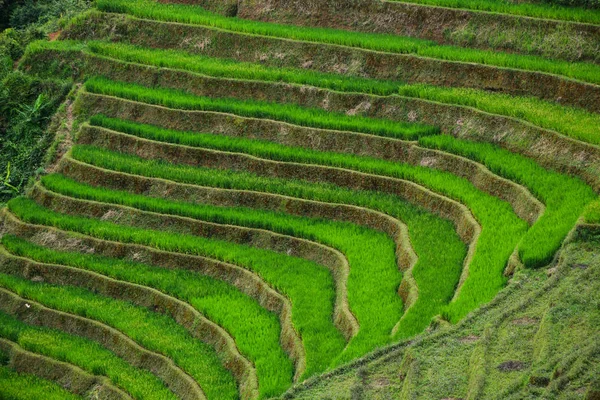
(565, 197)
(372, 284)
(592, 213)
(26, 102)
(144, 190)
(502, 229)
(153, 331)
(14, 386)
(85, 354)
(259, 340)
(439, 249)
(216, 299)
(379, 42)
(569, 121)
(569, 10)
(286, 112)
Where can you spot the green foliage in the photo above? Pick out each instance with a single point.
(570, 121)
(373, 41)
(45, 13)
(435, 241)
(259, 340)
(155, 332)
(592, 213)
(372, 284)
(569, 10)
(257, 109)
(85, 354)
(26, 104)
(565, 197)
(501, 227)
(15, 386)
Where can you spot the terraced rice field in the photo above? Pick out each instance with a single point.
(238, 204)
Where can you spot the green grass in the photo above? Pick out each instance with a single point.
(528, 9)
(219, 301)
(85, 354)
(372, 41)
(262, 346)
(439, 249)
(576, 123)
(372, 283)
(285, 112)
(565, 197)
(14, 386)
(502, 229)
(592, 213)
(153, 331)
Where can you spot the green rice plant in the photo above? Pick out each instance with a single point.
(310, 288)
(155, 332)
(14, 386)
(272, 365)
(228, 68)
(501, 227)
(592, 213)
(565, 197)
(439, 249)
(526, 8)
(569, 121)
(85, 354)
(286, 112)
(148, 9)
(372, 283)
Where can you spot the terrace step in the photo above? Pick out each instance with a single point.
(406, 257)
(156, 187)
(482, 30)
(65, 375)
(525, 205)
(421, 20)
(303, 56)
(466, 225)
(36, 314)
(185, 315)
(549, 148)
(244, 280)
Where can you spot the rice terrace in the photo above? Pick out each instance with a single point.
(299, 199)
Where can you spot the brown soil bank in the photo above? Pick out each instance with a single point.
(444, 25)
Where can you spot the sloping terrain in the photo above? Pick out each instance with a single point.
(254, 200)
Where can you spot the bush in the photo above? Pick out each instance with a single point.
(26, 105)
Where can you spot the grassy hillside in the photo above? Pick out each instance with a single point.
(221, 200)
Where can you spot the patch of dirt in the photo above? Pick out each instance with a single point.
(428, 162)
(512, 365)
(360, 108)
(524, 321)
(50, 239)
(111, 215)
(580, 266)
(469, 339)
(381, 382)
(203, 44)
(307, 64)
(54, 36)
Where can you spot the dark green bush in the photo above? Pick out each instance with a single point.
(26, 105)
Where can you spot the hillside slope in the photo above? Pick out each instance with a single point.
(243, 203)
